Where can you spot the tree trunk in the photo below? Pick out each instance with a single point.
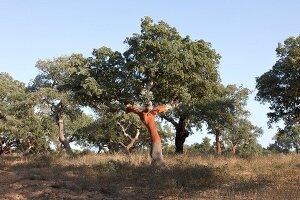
(129, 147)
(181, 135)
(147, 116)
(156, 148)
(60, 122)
(218, 141)
(1, 148)
(100, 147)
(234, 150)
(62, 138)
(28, 148)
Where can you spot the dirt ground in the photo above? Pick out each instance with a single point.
(16, 187)
(184, 178)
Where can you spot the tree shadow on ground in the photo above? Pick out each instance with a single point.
(112, 180)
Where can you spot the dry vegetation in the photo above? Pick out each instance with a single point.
(123, 177)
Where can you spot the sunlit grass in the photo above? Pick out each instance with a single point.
(188, 176)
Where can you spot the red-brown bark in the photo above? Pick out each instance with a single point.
(147, 116)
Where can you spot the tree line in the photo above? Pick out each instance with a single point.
(163, 84)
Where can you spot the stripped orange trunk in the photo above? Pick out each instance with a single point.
(147, 116)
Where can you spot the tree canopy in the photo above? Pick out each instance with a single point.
(280, 86)
(157, 67)
(20, 125)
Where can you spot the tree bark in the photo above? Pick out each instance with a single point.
(62, 138)
(181, 135)
(100, 147)
(129, 147)
(28, 148)
(234, 150)
(60, 122)
(1, 148)
(147, 116)
(218, 141)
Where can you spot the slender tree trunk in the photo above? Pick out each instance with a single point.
(100, 147)
(28, 149)
(233, 150)
(1, 148)
(181, 135)
(5, 150)
(130, 146)
(62, 138)
(218, 141)
(60, 122)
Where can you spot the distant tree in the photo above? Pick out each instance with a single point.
(223, 111)
(243, 133)
(293, 134)
(49, 86)
(251, 149)
(280, 86)
(286, 139)
(279, 147)
(203, 147)
(20, 125)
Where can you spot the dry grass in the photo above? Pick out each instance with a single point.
(132, 177)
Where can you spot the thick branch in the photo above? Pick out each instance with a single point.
(170, 119)
(133, 109)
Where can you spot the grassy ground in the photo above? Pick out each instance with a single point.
(132, 177)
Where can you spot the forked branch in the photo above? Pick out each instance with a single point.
(129, 146)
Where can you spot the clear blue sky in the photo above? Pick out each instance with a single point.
(245, 33)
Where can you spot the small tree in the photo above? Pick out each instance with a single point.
(203, 147)
(223, 110)
(241, 134)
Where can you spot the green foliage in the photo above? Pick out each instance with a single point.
(55, 101)
(221, 110)
(169, 65)
(250, 149)
(286, 140)
(20, 126)
(242, 134)
(280, 86)
(159, 65)
(106, 131)
(203, 147)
